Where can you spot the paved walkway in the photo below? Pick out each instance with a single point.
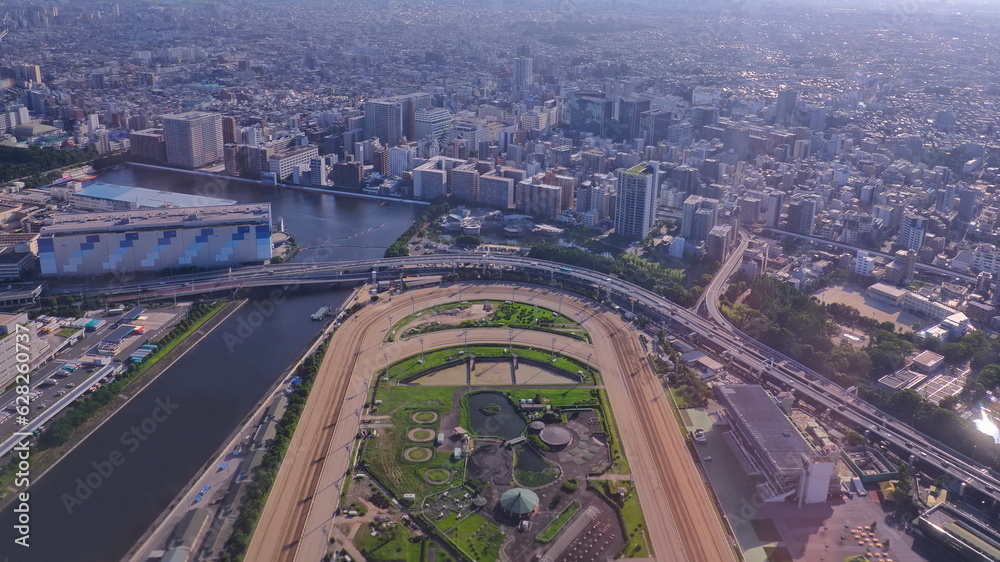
(570, 532)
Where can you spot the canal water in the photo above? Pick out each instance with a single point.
(96, 503)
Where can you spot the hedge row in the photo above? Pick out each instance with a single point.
(253, 502)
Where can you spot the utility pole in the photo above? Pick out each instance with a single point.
(421, 351)
(553, 350)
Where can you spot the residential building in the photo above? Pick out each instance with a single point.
(912, 232)
(635, 203)
(802, 211)
(148, 146)
(496, 191)
(538, 199)
(193, 139)
(434, 123)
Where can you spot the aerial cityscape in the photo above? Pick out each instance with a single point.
(513, 280)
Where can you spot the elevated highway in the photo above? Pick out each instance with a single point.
(716, 333)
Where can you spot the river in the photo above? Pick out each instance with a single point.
(97, 502)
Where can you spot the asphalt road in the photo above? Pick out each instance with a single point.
(680, 515)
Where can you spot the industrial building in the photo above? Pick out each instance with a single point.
(109, 197)
(151, 240)
(769, 445)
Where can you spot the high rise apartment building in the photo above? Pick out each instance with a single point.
(193, 139)
(635, 204)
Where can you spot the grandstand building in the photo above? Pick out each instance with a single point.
(769, 445)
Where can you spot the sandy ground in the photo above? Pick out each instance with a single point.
(298, 520)
(868, 306)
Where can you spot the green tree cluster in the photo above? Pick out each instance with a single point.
(399, 248)
(18, 163)
(673, 284)
(263, 478)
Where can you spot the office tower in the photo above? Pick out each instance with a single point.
(434, 122)
(590, 112)
(635, 203)
(704, 117)
(685, 179)
(235, 158)
(719, 242)
(594, 161)
(775, 200)
(28, 73)
(463, 181)
(912, 232)
(801, 149)
(496, 191)
(946, 197)
(522, 72)
(968, 202)
(230, 132)
(785, 108)
(942, 176)
(802, 213)
(560, 156)
(817, 118)
(630, 111)
(679, 134)
(391, 119)
(699, 217)
(654, 126)
(430, 180)
(194, 139)
(750, 207)
(736, 141)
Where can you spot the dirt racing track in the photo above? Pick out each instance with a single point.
(296, 522)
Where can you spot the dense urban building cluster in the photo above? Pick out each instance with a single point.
(686, 133)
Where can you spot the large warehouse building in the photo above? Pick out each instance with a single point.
(769, 445)
(151, 240)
